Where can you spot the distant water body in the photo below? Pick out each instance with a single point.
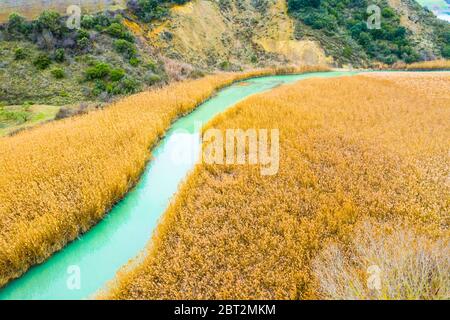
(441, 8)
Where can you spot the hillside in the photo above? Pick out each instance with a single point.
(138, 44)
(248, 32)
(31, 9)
(233, 35)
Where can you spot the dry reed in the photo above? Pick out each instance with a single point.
(426, 65)
(60, 179)
(367, 147)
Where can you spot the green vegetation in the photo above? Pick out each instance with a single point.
(148, 10)
(58, 73)
(60, 55)
(119, 31)
(20, 54)
(112, 81)
(15, 118)
(99, 71)
(45, 62)
(344, 22)
(18, 115)
(32, 50)
(127, 49)
(42, 61)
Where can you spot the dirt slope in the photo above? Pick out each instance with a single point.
(233, 36)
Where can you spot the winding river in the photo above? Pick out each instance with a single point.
(97, 255)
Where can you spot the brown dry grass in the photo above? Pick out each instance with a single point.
(59, 179)
(409, 266)
(367, 147)
(425, 65)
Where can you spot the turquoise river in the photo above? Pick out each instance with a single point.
(95, 257)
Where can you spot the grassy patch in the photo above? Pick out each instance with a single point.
(15, 118)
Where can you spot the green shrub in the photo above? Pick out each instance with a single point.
(126, 48)
(116, 74)
(87, 22)
(135, 61)
(126, 85)
(20, 54)
(152, 78)
(58, 73)
(446, 51)
(42, 61)
(83, 43)
(129, 85)
(151, 65)
(347, 52)
(195, 74)
(60, 55)
(17, 25)
(148, 10)
(83, 39)
(119, 31)
(225, 65)
(51, 21)
(100, 70)
(99, 87)
(102, 21)
(388, 12)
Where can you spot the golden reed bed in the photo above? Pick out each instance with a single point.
(425, 65)
(60, 179)
(363, 184)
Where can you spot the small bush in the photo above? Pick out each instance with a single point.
(100, 70)
(58, 73)
(446, 51)
(42, 61)
(152, 78)
(17, 25)
(117, 30)
(151, 65)
(117, 74)
(83, 43)
(99, 87)
(126, 48)
(148, 10)
(83, 39)
(129, 85)
(195, 74)
(135, 61)
(87, 22)
(225, 65)
(51, 21)
(102, 21)
(60, 55)
(20, 54)
(63, 113)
